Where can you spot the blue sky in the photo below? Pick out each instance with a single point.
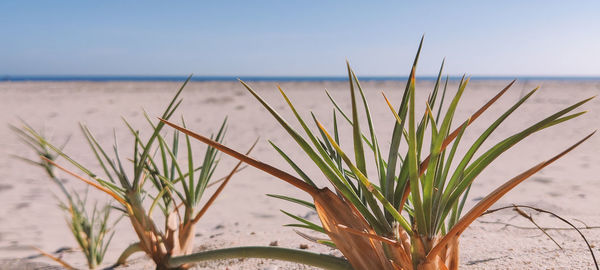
(298, 38)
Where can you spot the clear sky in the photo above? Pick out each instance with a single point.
(298, 38)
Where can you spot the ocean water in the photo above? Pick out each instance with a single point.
(61, 78)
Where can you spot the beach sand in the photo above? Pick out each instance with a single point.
(243, 215)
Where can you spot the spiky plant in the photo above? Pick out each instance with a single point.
(91, 229)
(408, 215)
(176, 189)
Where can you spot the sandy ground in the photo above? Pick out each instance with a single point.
(243, 215)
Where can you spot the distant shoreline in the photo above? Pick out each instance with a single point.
(271, 78)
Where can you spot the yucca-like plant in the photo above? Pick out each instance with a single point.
(176, 189)
(91, 229)
(408, 215)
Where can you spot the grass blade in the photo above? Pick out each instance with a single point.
(250, 161)
(490, 199)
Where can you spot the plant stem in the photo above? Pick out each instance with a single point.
(285, 254)
(133, 248)
(516, 206)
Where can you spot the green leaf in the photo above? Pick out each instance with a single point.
(484, 160)
(335, 177)
(293, 255)
(306, 224)
(399, 127)
(365, 182)
(173, 105)
(359, 153)
(294, 200)
(294, 166)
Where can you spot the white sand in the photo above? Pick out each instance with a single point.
(243, 215)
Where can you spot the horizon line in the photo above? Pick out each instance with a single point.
(106, 78)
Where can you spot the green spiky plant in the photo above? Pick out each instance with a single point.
(176, 189)
(91, 229)
(411, 216)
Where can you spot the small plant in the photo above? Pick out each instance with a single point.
(176, 189)
(91, 230)
(409, 214)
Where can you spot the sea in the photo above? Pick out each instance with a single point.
(65, 78)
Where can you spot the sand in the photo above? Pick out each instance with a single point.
(243, 215)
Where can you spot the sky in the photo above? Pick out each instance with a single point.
(299, 38)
